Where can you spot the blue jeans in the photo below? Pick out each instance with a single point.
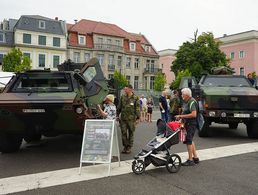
(164, 116)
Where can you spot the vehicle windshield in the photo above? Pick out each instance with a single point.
(42, 83)
(226, 82)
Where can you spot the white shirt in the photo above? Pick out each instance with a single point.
(110, 109)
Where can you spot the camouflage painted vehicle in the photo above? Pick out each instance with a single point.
(49, 103)
(225, 99)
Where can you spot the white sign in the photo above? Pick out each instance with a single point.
(99, 142)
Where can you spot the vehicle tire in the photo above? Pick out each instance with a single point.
(138, 166)
(173, 163)
(10, 143)
(233, 125)
(252, 130)
(32, 137)
(204, 132)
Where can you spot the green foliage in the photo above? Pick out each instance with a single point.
(159, 81)
(14, 61)
(120, 80)
(199, 56)
(183, 73)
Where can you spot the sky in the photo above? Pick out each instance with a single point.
(167, 24)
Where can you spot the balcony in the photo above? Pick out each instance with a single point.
(108, 47)
(152, 70)
(111, 67)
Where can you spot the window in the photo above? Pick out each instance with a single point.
(42, 60)
(128, 62)
(232, 55)
(241, 54)
(42, 40)
(100, 40)
(147, 48)
(118, 42)
(162, 66)
(1, 58)
(86, 57)
(109, 42)
(26, 54)
(152, 65)
(82, 40)
(42, 24)
(2, 37)
(76, 57)
(128, 78)
(111, 60)
(56, 41)
(27, 38)
(136, 82)
(152, 82)
(56, 61)
(132, 46)
(148, 64)
(119, 60)
(110, 76)
(100, 58)
(136, 63)
(242, 71)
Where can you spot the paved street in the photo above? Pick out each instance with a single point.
(228, 167)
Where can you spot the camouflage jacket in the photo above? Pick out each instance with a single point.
(129, 107)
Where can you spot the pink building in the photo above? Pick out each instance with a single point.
(166, 57)
(242, 50)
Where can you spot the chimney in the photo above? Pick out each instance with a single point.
(56, 18)
(75, 21)
(224, 35)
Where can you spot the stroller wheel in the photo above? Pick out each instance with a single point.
(173, 163)
(138, 166)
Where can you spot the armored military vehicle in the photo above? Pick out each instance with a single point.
(49, 103)
(225, 99)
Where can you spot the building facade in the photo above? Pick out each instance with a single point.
(242, 50)
(167, 56)
(6, 38)
(42, 39)
(130, 54)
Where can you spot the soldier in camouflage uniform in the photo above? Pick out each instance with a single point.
(129, 111)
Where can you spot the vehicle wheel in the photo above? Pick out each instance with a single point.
(138, 166)
(173, 163)
(233, 125)
(252, 130)
(32, 137)
(10, 143)
(204, 132)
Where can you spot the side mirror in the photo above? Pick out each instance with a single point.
(80, 78)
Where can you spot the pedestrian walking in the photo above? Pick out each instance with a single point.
(128, 111)
(150, 106)
(175, 105)
(163, 106)
(188, 116)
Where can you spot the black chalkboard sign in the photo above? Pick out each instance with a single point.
(97, 141)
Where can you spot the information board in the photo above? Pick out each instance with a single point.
(99, 142)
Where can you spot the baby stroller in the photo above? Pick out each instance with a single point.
(157, 149)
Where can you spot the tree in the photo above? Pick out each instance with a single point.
(159, 81)
(14, 61)
(120, 80)
(199, 56)
(183, 73)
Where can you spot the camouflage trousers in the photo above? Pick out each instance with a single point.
(127, 131)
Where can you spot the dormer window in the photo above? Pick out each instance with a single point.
(147, 48)
(132, 46)
(81, 40)
(42, 24)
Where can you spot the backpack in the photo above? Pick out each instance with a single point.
(199, 118)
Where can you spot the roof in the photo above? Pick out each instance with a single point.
(31, 23)
(88, 26)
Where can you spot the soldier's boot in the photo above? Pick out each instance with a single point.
(128, 150)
